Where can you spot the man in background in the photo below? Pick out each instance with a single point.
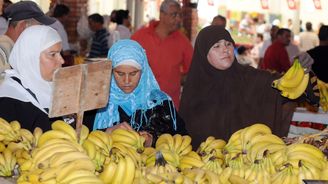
(169, 51)
(99, 44)
(20, 15)
(219, 20)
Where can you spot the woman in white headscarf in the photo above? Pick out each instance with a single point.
(25, 93)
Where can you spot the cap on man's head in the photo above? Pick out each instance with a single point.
(25, 10)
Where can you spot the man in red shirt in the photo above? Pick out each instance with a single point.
(169, 52)
(276, 56)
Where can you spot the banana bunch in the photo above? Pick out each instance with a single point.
(121, 169)
(129, 138)
(119, 148)
(259, 150)
(258, 173)
(61, 130)
(22, 156)
(287, 174)
(213, 164)
(323, 90)
(146, 154)
(324, 172)
(294, 82)
(308, 154)
(170, 157)
(225, 175)
(308, 172)
(7, 162)
(211, 145)
(233, 147)
(176, 143)
(191, 160)
(101, 140)
(9, 132)
(198, 175)
(161, 166)
(250, 132)
(238, 166)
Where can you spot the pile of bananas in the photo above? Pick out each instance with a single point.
(323, 89)
(294, 82)
(251, 155)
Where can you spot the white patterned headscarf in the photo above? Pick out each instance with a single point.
(25, 62)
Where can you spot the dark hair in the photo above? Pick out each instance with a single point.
(281, 31)
(323, 33)
(308, 26)
(259, 35)
(96, 17)
(121, 15)
(61, 10)
(241, 50)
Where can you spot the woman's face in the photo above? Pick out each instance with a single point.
(50, 60)
(127, 77)
(221, 55)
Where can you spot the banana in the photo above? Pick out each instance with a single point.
(15, 125)
(237, 180)
(79, 176)
(36, 134)
(211, 177)
(120, 171)
(130, 169)
(99, 143)
(191, 160)
(293, 93)
(171, 157)
(303, 147)
(65, 142)
(83, 134)
(53, 134)
(153, 178)
(78, 164)
(8, 131)
(293, 78)
(90, 148)
(266, 138)
(250, 132)
(108, 172)
(177, 139)
(203, 145)
(64, 127)
(138, 142)
(259, 150)
(63, 157)
(225, 175)
(10, 161)
(107, 140)
(185, 147)
(13, 146)
(2, 147)
(165, 139)
(136, 157)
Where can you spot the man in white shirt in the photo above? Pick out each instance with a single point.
(308, 39)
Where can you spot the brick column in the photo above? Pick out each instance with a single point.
(190, 19)
(74, 16)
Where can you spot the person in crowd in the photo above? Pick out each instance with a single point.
(25, 93)
(221, 96)
(219, 20)
(267, 42)
(136, 101)
(123, 26)
(255, 51)
(3, 21)
(276, 56)
(20, 16)
(168, 50)
(99, 44)
(61, 13)
(244, 58)
(292, 49)
(308, 38)
(320, 55)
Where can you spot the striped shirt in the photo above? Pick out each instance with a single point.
(99, 45)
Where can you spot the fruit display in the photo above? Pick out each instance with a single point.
(323, 90)
(294, 82)
(60, 156)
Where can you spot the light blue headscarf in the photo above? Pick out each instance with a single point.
(146, 95)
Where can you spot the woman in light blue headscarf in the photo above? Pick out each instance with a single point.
(136, 101)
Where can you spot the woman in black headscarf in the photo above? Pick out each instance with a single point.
(221, 96)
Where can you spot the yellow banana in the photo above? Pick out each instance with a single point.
(63, 157)
(99, 143)
(293, 93)
(303, 147)
(237, 180)
(225, 175)
(90, 148)
(120, 171)
(250, 132)
(108, 172)
(15, 125)
(191, 160)
(64, 142)
(185, 145)
(83, 134)
(130, 169)
(78, 164)
(171, 157)
(293, 80)
(64, 127)
(177, 138)
(165, 139)
(36, 134)
(77, 176)
(53, 134)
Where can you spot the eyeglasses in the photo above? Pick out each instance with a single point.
(174, 15)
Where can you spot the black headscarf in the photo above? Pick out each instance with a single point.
(220, 102)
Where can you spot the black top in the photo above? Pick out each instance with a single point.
(320, 65)
(25, 113)
(158, 120)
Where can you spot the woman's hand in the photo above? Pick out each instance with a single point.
(123, 125)
(148, 138)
